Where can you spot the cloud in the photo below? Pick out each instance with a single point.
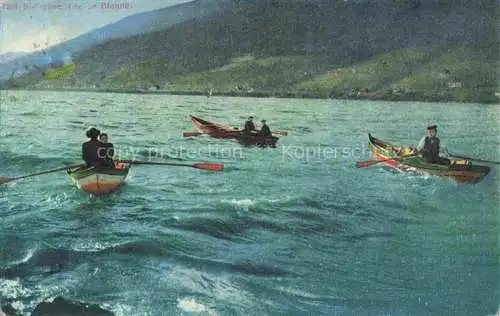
(35, 29)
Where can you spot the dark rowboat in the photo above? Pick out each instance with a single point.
(458, 170)
(217, 130)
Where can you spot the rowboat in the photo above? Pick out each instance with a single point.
(99, 181)
(217, 130)
(460, 170)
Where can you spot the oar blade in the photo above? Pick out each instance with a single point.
(209, 166)
(283, 133)
(372, 162)
(191, 134)
(362, 164)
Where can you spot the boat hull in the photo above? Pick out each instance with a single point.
(220, 131)
(248, 140)
(99, 181)
(460, 173)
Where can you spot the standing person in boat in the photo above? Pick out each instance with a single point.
(106, 151)
(265, 131)
(429, 147)
(249, 126)
(90, 149)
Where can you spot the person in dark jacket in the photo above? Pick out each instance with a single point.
(249, 126)
(90, 149)
(429, 147)
(106, 151)
(265, 131)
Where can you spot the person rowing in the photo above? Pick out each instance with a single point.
(429, 147)
(265, 131)
(90, 149)
(249, 126)
(106, 151)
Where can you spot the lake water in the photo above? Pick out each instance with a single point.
(295, 230)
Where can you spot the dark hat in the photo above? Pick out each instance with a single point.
(93, 132)
(432, 127)
(250, 117)
(263, 121)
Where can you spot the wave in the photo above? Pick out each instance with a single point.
(44, 262)
(31, 113)
(214, 227)
(190, 305)
(287, 202)
(10, 158)
(155, 154)
(27, 257)
(240, 229)
(177, 251)
(303, 130)
(247, 268)
(75, 122)
(12, 289)
(302, 294)
(243, 203)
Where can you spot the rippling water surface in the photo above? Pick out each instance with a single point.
(296, 230)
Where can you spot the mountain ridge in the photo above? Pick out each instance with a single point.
(326, 36)
(140, 23)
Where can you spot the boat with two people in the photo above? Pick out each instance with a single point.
(248, 136)
(100, 174)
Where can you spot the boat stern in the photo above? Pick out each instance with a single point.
(100, 182)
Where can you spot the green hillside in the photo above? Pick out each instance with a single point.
(457, 73)
(304, 49)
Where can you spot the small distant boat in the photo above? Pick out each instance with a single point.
(458, 170)
(100, 181)
(217, 130)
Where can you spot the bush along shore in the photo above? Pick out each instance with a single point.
(485, 97)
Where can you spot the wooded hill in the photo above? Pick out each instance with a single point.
(403, 50)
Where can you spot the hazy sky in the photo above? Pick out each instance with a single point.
(24, 24)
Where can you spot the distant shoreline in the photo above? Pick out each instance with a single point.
(283, 95)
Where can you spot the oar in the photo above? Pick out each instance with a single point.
(372, 162)
(191, 134)
(283, 133)
(476, 159)
(5, 180)
(202, 166)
